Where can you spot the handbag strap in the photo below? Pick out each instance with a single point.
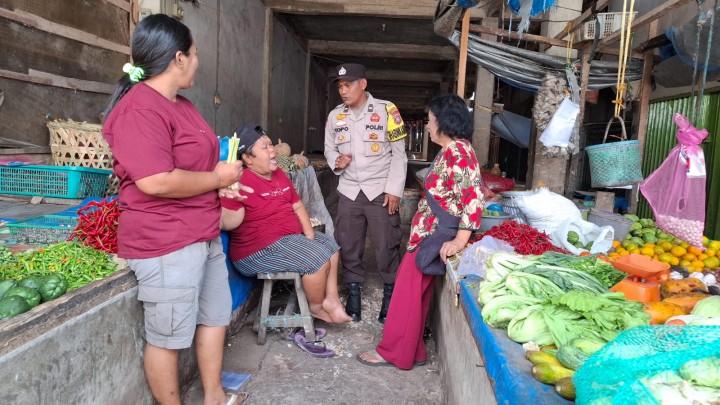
(622, 125)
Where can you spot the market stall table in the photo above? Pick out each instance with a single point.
(505, 361)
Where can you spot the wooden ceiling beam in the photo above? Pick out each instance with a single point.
(397, 8)
(401, 91)
(644, 20)
(400, 76)
(380, 50)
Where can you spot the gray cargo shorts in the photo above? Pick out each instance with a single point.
(183, 289)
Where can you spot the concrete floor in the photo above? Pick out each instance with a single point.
(284, 374)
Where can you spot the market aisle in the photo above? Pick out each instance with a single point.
(284, 374)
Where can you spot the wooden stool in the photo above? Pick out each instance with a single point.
(288, 319)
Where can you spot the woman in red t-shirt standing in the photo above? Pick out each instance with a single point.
(166, 157)
(276, 234)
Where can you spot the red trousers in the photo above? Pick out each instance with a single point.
(402, 342)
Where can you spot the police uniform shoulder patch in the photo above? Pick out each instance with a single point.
(395, 125)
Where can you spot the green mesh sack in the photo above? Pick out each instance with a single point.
(611, 375)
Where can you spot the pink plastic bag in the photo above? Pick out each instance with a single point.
(676, 190)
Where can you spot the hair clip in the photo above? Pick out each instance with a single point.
(135, 73)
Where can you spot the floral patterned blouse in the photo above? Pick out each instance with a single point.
(454, 182)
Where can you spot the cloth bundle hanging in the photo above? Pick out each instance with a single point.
(617, 163)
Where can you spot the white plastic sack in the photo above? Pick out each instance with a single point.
(602, 237)
(474, 260)
(561, 125)
(545, 210)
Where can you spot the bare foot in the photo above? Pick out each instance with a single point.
(335, 309)
(321, 314)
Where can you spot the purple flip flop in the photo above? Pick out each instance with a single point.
(315, 349)
(319, 334)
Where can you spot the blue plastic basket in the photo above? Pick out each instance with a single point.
(54, 181)
(45, 229)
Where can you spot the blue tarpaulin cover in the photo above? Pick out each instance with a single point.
(538, 6)
(505, 360)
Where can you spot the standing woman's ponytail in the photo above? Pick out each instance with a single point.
(154, 44)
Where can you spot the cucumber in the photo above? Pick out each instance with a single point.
(571, 357)
(536, 357)
(550, 374)
(549, 349)
(565, 387)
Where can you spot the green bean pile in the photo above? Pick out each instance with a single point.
(79, 264)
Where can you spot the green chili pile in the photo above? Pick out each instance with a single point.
(79, 264)
(97, 225)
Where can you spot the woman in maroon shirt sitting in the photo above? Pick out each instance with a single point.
(276, 234)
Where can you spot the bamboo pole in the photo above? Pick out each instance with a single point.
(463, 54)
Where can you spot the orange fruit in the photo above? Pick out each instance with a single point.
(711, 252)
(649, 245)
(689, 257)
(613, 255)
(685, 263)
(666, 246)
(646, 251)
(694, 250)
(666, 257)
(674, 261)
(635, 251)
(624, 253)
(656, 257)
(616, 243)
(678, 251)
(698, 264)
(702, 256)
(714, 245)
(684, 244)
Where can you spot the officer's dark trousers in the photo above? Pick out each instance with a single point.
(354, 219)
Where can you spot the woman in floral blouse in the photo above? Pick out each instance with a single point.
(447, 215)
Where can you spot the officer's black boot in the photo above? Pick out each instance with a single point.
(387, 294)
(353, 306)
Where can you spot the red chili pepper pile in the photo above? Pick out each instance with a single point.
(524, 238)
(97, 225)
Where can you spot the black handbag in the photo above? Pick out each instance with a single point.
(428, 251)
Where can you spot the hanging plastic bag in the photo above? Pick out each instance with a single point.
(586, 232)
(676, 190)
(561, 125)
(474, 260)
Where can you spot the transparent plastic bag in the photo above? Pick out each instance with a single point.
(601, 236)
(676, 190)
(474, 260)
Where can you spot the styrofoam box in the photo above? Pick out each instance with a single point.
(620, 224)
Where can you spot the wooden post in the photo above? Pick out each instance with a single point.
(644, 105)
(463, 53)
(575, 170)
(134, 17)
(482, 114)
(267, 62)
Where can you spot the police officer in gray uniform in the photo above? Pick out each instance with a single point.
(364, 146)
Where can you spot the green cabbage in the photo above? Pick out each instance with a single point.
(530, 285)
(704, 372)
(529, 325)
(708, 307)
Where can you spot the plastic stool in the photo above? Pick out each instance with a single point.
(288, 319)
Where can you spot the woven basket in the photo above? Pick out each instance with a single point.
(615, 164)
(81, 144)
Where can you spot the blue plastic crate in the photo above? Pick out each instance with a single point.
(54, 181)
(45, 229)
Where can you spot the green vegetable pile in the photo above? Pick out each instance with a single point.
(601, 270)
(77, 264)
(16, 298)
(550, 304)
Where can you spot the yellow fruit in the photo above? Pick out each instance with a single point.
(684, 244)
(646, 251)
(689, 257)
(698, 264)
(666, 257)
(711, 252)
(613, 256)
(624, 253)
(685, 263)
(711, 262)
(702, 256)
(693, 269)
(674, 261)
(635, 251)
(659, 250)
(631, 246)
(666, 246)
(616, 243)
(678, 251)
(714, 245)
(694, 250)
(649, 245)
